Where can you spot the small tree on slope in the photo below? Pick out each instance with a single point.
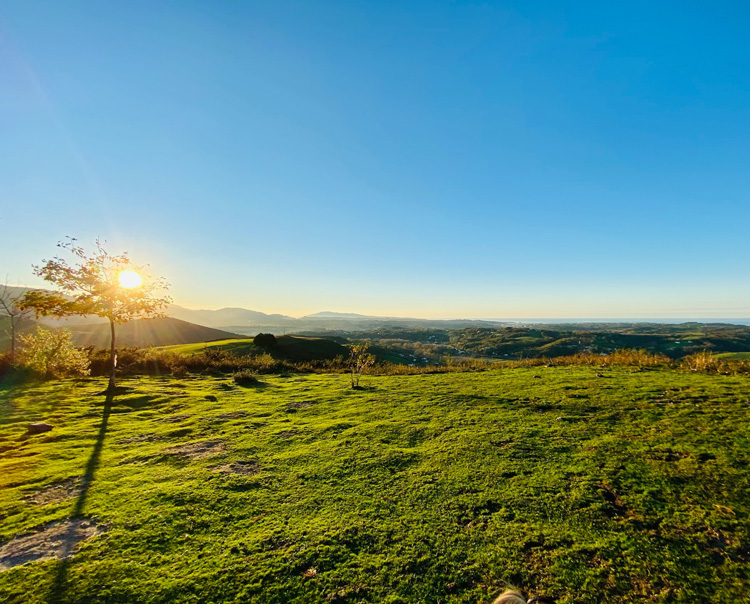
(9, 308)
(359, 360)
(98, 283)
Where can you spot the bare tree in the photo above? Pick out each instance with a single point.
(9, 296)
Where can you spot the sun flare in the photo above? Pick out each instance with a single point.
(129, 279)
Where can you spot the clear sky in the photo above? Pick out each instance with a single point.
(435, 159)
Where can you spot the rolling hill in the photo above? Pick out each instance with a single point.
(227, 316)
(289, 348)
(148, 332)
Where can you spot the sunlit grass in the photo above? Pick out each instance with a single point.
(594, 484)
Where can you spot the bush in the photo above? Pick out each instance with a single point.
(245, 378)
(51, 354)
(179, 371)
(6, 362)
(265, 340)
(701, 361)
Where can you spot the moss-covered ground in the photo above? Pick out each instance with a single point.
(623, 487)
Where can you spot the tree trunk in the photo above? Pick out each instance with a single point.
(112, 357)
(12, 339)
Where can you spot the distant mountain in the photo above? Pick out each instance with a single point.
(148, 332)
(227, 316)
(250, 322)
(327, 314)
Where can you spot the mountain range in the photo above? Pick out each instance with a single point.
(250, 322)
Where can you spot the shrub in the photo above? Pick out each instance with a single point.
(359, 360)
(701, 361)
(265, 340)
(179, 371)
(245, 378)
(51, 354)
(6, 362)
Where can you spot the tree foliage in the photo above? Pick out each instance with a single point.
(265, 340)
(90, 287)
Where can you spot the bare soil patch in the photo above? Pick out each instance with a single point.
(138, 438)
(296, 405)
(175, 419)
(56, 540)
(198, 450)
(56, 492)
(245, 468)
(233, 415)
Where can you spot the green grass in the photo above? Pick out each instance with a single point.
(631, 487)
(734, 356)
(292, 348)
(239, 346)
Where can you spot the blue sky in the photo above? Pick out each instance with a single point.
(508, 159)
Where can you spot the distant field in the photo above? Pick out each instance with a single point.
(621, 488)
(734, 356)
(293, 348)
(236, 345)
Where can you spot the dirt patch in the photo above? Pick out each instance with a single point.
(56, 540)
(198, 450)
(233, 415)
(295, 406)
(56, 492)
(174, 419)
(245, 468)
(138, 438)
(287, 434)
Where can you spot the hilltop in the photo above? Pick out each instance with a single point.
(147, 332)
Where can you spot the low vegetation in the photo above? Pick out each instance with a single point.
(599, 483)
(425, 346)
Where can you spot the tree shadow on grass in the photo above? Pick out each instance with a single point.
(12, 390)
(362, 388)
(59, 583)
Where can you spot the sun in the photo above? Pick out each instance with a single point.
(129, 279)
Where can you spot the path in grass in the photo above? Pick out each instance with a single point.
(630, 487)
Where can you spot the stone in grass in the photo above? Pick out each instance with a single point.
(56, 540)
(211, 397)
(39, 427)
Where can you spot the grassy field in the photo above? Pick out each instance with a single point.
(612, 488)
(293, 348)
(734, 356)
(241, 345)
